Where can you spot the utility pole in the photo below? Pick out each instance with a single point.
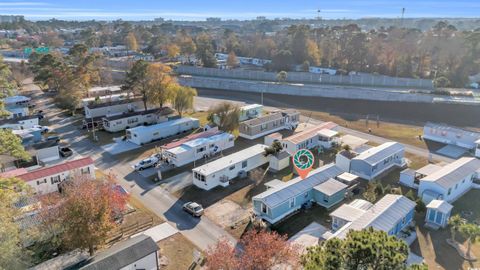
(401, 21)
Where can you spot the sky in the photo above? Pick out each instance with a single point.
(235, 9)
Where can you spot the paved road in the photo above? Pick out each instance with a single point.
(202, 232)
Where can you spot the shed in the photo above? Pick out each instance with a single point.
(438, 213)
(329, 193)
(279, 161)
(347, 178)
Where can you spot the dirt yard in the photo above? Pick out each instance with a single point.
(176, 252)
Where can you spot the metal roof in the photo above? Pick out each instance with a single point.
(347, 212)
(294, 187)
(309, 133)
(330, 187)
(381, 216)
(263, 119)
(379, 153)
(160, 111)
(327, 133)
(162, 125)
(122, 254)
(178, 142)
(64, 167)
(230, 160)
(114, 103)
(439, 127)
(454, 172)
(207, 140)
(428, 169)
(440, 205)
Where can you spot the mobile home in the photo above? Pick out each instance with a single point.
(47, 180)
(450, 135)
(119, 122)
(391, 214)
(145, 134)
(24, 122)
(246, 112)
(195, 149)
(221, 171)
(309, 138)
(477, 149)
(263, 125)
(372, 162)
(282, 199)
(111, 108)
(451, 181)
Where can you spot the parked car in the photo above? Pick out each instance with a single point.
(53, 138)
(43, 128)
(65, 152)
(193, 208)
(146, 163)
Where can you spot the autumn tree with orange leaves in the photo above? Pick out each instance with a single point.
(257, 250)
(84, 213)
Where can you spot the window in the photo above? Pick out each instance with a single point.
(244, 164)
(232, 168)
(325, 199)
(85, 170)
(230, 139)
(463, 181)
(201, 149)
(374, 168)
(449, 191)
(292, 202)
(456, 186)
(305, 195)
(54, 179)
(264, 208)
(404, 219)
(263, 127)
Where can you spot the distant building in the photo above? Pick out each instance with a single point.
(24, 122)
(451, 135)
(213, 19)
(159, 19)
(11, 18)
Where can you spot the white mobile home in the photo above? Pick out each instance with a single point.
(145, 134)
(263, 125)
(24, 122)
(246, 112)
(450, 135)
(198, 148)
(309, 138)
(99, 91)
(451, 181)
(221, 171)
(119, 122)
(48, 180)
(111, 108)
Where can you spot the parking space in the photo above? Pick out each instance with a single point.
(226, 213)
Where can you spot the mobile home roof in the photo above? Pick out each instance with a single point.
(376, 154)
(454, 172)
(141, 129)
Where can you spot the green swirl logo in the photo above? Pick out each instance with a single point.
(303, 159)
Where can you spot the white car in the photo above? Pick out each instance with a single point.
(43, 129)
(146, 163)
(193, 208)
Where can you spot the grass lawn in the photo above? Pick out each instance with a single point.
(416, 162)
(178, 251)
(432, 245)
(200, 115)
(407, 134)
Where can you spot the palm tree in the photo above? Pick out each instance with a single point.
(471, 232)
(455, 222)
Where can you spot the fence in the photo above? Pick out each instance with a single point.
(367, 80)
